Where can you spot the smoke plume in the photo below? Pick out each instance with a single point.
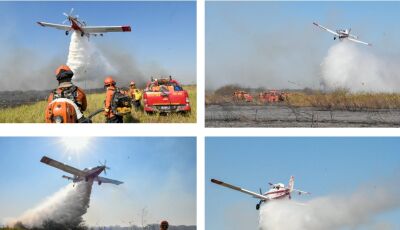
(356, 68)
(23, 68)
(331, 212)
(67, 206)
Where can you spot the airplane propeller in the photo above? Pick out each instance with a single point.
(70, 14)
(105, 166)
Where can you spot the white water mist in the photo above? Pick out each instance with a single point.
(67, 206)
(358, 69)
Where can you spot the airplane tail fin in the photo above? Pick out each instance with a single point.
(291, 183)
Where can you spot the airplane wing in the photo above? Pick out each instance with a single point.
(324, 28)
(106, 180)
(358, 41)
(56, 26)
(301, 192)
(61, 166)
(106, 29)
(255, 195)
(353, 36)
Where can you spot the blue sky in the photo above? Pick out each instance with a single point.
(322, 166)
(157, 173)
(163, 33)
(278, 40)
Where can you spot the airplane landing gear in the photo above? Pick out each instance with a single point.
(257, 206)
(334, 38)
(66, 33)
(82, 34)
(99, 182)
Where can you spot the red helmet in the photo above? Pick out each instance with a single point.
(164, 224)
(132, 83)
(64, 72)
(109, 81)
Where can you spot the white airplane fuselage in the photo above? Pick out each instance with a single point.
(91, 174)
(276, 192)
(342, 34)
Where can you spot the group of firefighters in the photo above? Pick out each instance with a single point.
(66, 89)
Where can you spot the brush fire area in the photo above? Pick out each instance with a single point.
(302, 108)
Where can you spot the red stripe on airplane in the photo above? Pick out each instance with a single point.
(126, 28)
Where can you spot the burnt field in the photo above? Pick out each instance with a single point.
(15, 98)
(283, 115)
(9, 99)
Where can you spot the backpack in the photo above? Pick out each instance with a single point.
(70, 93)
(120, 103)
(62, 110)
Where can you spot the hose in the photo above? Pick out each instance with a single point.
(95, 113)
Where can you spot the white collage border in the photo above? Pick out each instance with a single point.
(196, 130)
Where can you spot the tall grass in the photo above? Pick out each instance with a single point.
(343, 100)
(340, 99)
(34, 113)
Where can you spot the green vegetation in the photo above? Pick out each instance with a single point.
(34, 113)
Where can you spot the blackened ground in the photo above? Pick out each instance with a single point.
(281, 115)
(15, 98)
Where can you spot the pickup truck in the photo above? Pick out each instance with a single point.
(165, 95)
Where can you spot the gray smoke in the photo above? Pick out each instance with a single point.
(23, 68)
(355, 67)
(67, 206)
(333, 212)
(125, 65)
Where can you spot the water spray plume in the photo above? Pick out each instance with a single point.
(331, 212)
(67, 206)
(350, 66)
(86, 61)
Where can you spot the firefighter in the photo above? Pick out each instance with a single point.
(135, 95)
(66, 89)
(156, 86)
(109, 85)
(164, 225)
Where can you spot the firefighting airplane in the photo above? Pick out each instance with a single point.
(80, 175)
(80, 27)
(342, 34)
(276, 191)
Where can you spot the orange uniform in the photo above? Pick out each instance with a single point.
(107, 104)
(64, 111)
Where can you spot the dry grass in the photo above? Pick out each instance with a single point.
(34, 113)
(336, 100)
(343, 100)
